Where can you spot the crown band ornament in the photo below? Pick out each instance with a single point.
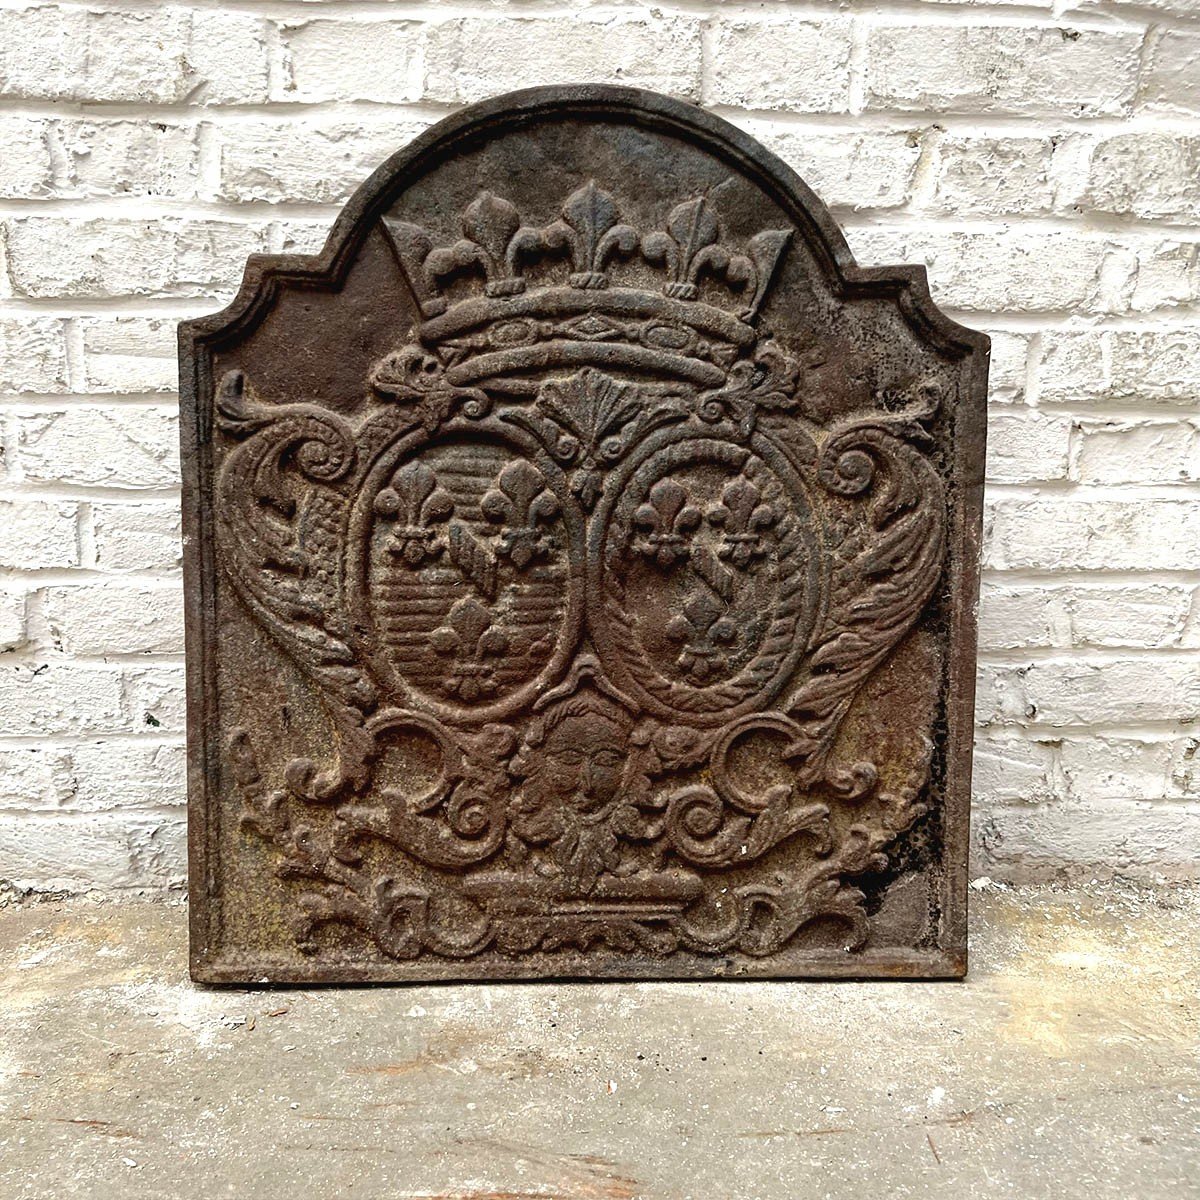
(586, 290)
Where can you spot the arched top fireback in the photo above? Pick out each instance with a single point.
(582, 552)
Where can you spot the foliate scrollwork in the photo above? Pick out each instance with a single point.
(415, 379)
(460, 820)
(887, 565)
(280, 537)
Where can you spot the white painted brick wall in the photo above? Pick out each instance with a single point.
(1043, 159)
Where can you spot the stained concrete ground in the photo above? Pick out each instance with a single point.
(1067, 1065)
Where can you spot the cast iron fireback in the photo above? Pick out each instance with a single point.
(582, 555)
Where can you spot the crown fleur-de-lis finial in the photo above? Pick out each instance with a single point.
(590, 230)
(690, 246)
(489, 225)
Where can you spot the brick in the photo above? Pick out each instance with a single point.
(115, 618)
(301, 160)
(134, 55)
(58, 257)
(1114, 452)
(34, 777)
(76, 54)
(33, 355)
(1184, 777)
(1156, 366)
(1147, 616)
(351, 60)
(98, 776)
(1165, 274)
(25, 152)
(126, 158)
(1009, 367)
(1013, 270)
(164, 56)
(1071, 534)
(302, 237)
(1179, 8)
(12, 620)
(1025, 446)
(1087, 839)
(157, 698)
(1116, 768)
(994, 175)
(227, 58)
(1190, 636)
(1001, 69)
(1151, 615)
(107, 776)
(41, 54)
(38, 533)
(129, 446)
(106, 851)
(1171, 77)
(464, 56)
(1116, 691)
(789, 63)
(137, 537)
(129, 355)
(59, 695)
(1010, 768)
(867, 170)
(1145, 175)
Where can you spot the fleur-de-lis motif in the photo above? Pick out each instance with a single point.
(690, 245)
(706, 631)
(687, 246)
(418, 507)
(490, 226)
(668, 521)
(590, 230)
(518, 503)
(744, 521)
(470, 638)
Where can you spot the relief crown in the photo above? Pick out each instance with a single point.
(586, 288)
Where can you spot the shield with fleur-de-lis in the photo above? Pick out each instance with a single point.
(581, 552)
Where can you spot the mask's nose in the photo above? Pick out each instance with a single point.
(586, 776)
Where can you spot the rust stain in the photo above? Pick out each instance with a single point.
(439, 1054)
(395, 1068)
(961, 1118)
(94, 1125)
(582, 1183)
(800, 1133)
(477, 1195)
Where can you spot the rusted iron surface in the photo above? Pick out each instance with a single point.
(581, 563)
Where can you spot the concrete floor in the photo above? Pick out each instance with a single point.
(1067, 1065)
